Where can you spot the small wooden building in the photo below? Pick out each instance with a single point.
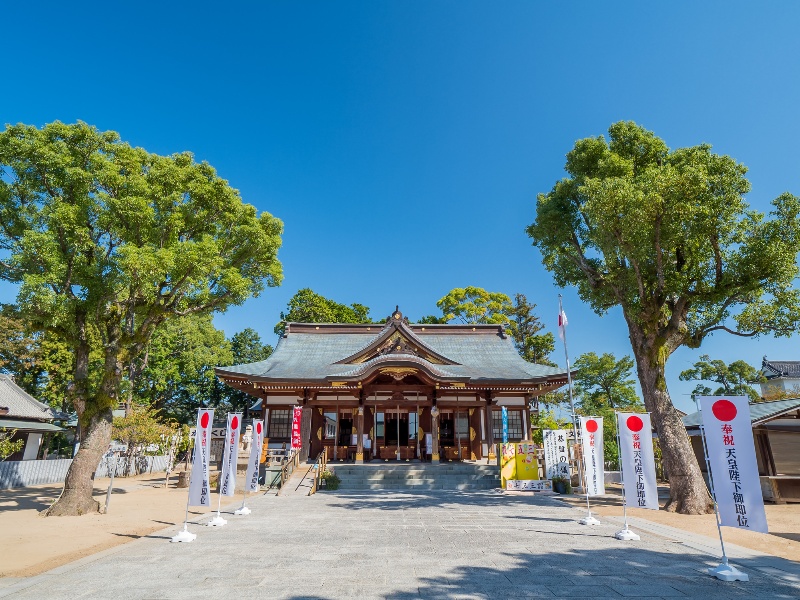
(397, 391)
(776, 434)
(31, 419)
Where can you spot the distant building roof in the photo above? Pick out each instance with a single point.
(16, 403)
(759, 412)
(774, 369)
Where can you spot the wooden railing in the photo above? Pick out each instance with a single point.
(318, 468)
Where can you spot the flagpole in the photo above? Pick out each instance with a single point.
(218, 521)
(186, 535)
(571, 401)
(625, 534)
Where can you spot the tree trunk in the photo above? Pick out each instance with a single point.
(76, 499)
(688, 493)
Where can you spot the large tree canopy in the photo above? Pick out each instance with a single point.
(109, 241)
(475, 305)
(306, 306)
(668, 236)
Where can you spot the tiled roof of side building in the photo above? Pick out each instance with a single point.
(481, 356)
(20, 404)
(773, 369)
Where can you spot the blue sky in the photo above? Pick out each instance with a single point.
(403, 143)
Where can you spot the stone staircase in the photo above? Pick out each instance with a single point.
(417, 476)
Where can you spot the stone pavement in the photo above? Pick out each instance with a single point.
(406, 545)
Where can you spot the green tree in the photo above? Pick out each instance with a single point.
(605, 382)
(734, 379)
(306, 306)
(525, 327)
(667, 236)
(246, 347)
(604, 385)
(178, 376)
(108, 238)
(475, 305)
(7, 445)
(141, 428)
(432, 320)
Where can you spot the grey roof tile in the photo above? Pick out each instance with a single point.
(312, 356)
(19, 403)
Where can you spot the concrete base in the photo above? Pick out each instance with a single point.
(727, 572)
(627, 535)
(184, 536)
(589, 520)
(217, 521)
(242, 511)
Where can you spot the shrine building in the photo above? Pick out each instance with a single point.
(397, 391)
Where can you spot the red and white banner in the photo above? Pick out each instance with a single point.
(562, 324)
(198, 482)
(637, 460)
(592, 444)
(297, 419)
(228, 475)
(732, 456)
(255, 456)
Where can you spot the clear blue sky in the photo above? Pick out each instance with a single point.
(403, 143)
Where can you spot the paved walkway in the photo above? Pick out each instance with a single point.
(400, 545)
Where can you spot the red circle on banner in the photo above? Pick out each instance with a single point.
(204, 420)
(234, 422)
(591, 425)
(724, 410)
(258, 428)
(634, 423)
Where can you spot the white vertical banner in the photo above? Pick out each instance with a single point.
(592, 444)
(637, 461)
(228, 475)
(255, 456)
(732, 456)
(198, 482)
(556, 460)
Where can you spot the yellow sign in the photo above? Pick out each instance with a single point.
(518, 462)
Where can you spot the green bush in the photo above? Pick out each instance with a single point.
(331, 480)
(562, 483)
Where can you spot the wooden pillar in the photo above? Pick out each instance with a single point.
(526, 415)
(360, 429)
(489, 428)
(435, 431)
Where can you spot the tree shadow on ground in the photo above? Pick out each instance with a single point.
(789, 536)
(40, 499)
(626, 571)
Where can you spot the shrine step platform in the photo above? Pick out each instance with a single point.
(417, 476)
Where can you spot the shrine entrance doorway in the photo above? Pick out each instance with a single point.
(397, 433)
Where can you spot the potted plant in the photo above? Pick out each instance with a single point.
(562, 485)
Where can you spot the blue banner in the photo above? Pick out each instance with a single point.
(505, 425)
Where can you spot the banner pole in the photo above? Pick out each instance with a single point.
(185, 535)
(625, 534)
(218, 521)
(725, 571)
(588, 519)
(572, 403)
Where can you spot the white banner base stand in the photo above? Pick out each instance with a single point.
(242, 511)
(727, 572)
(184, 536)
(626, 535)
(589, 520)
(217, 521)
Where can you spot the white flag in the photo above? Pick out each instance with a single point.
(556, 460)
(255, 456)
(198, 482)
(228, 475)
(732, 456)
(562, 324)
(592, 444)
(637, 461)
